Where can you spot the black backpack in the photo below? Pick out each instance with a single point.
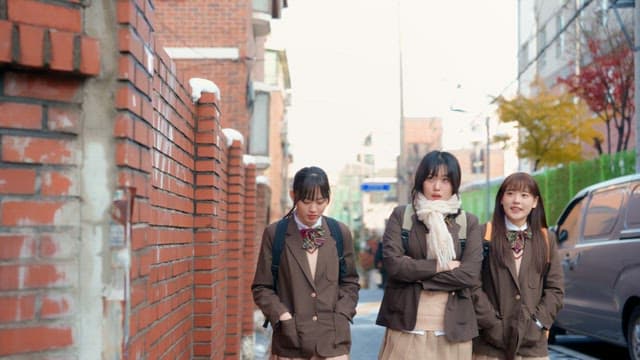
(278, 245)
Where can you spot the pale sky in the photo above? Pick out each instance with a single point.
(344, 65)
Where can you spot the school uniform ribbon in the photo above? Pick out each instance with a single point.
(517, 239)
(312, 238)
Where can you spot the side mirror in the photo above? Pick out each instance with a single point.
(563, 236)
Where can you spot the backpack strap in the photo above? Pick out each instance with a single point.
(406, 227)
(487, 232)
(486, 240)
(336, 233)
(461, 220)
(276, 250)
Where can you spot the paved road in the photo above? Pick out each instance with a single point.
(366, 335)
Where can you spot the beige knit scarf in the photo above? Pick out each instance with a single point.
(439, 240)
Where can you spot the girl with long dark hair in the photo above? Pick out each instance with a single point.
(522, 285)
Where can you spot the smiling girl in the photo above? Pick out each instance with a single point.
(522, 285)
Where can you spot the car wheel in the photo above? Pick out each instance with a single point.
(633, 334)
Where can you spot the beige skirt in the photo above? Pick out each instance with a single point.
(518, 357)
(341, 357)
(398, 345)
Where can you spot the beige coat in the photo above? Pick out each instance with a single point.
(322, 307)
(506, 305)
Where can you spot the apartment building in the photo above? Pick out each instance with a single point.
(553, 38)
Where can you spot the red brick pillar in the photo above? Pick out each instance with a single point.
(209, 282)
(234, 249)
(134, 135)
(249, 256)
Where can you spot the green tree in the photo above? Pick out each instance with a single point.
(552, 126)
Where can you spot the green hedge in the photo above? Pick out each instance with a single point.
(557, 185)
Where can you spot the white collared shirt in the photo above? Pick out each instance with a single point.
(302, 226)
(511, 226)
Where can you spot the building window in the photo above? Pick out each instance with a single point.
(259, 137)
(602, 13)
(523, 55)
(542, 42)
(477, 161)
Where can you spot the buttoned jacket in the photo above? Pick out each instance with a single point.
(508, 303)
(409, 273)
(322, 306)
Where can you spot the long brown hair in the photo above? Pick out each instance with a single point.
(536, 221)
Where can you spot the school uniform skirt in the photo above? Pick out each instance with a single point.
(340, 357)
(399, 345)
(518, 357)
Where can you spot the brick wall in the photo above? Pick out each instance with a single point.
(45, 62)
(214, 24)
(88, 109)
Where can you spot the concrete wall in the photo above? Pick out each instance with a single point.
(94, 114)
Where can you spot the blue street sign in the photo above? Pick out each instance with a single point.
(371, 187)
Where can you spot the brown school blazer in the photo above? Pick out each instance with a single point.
(408, 275)
(506, 305)
(321, 308)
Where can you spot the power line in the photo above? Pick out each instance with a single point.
(548, 44)
(555, 37)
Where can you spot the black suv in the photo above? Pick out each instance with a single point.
(599, 245)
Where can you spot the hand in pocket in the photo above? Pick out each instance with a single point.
(532, 335)
(495, 335)
(289, 333)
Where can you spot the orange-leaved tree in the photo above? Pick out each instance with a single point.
(552, 126)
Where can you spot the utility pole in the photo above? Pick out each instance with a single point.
(487, 168)
(401, 171)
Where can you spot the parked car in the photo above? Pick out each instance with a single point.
(599, 246)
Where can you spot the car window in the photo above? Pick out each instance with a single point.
(602, 213)
(633, 209)
(572, 223)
